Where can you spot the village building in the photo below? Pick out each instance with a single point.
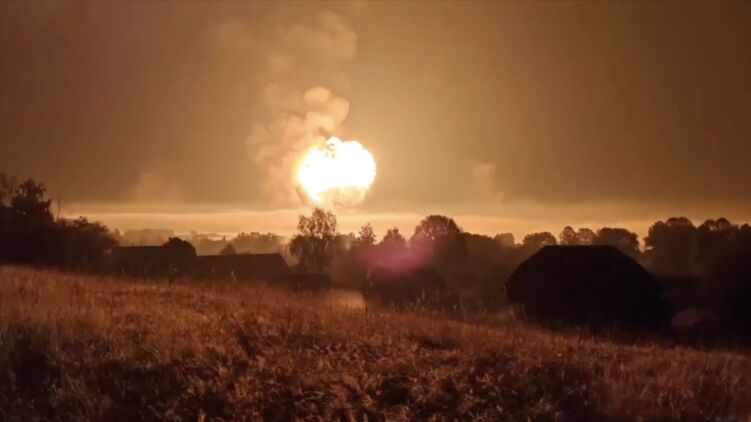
(587, 285)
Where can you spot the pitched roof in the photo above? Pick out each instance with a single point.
(575, 264)
(573, 256)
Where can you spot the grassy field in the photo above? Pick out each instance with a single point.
(76, 347)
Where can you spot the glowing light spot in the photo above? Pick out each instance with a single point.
(339, 173)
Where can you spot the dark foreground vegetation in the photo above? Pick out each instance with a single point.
(76, 347)
(184, 339)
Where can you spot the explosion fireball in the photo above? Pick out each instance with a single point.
(339, 173)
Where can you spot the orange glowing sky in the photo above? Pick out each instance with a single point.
(509, 116)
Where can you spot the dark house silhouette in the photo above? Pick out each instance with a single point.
(587, 285)
(161, 261)
(245, 267)
(139, 261)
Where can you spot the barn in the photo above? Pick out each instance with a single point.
(587, 285)
(270, 266)
(139, 261)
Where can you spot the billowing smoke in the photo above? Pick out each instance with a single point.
(300, 104)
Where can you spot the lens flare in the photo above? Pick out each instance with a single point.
(339, 173)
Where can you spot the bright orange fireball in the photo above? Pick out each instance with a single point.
(339, 173)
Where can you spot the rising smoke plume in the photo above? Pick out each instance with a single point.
(301, 102)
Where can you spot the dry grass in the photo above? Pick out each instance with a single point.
(87, 348)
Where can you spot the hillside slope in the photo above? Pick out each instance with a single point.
(83, 347)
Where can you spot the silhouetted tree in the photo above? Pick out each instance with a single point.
(30, 234)
(586, 236)
(671, 246)
(180, 247)
(344, 242)
(347, 267)
(363, 246)
(350, 264)
(568, 237)
(118, 237)
(532, 243)
(581, 237)
(439, 240)
(716, 239)
(536, 241)
(258, 243)
(81, 244)
(314, 243)
(206, 245)
(482, 247)
(29, 226)
(366, 237)
(505, 239)
(179, 255)
(146, 237)
(393, 240)
(7, 187)
(626, 241)
(228, 250)
(392, 248)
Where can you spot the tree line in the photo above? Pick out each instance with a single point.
(206, 243)
(711, 262)
(672, 247)
(31, 234)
